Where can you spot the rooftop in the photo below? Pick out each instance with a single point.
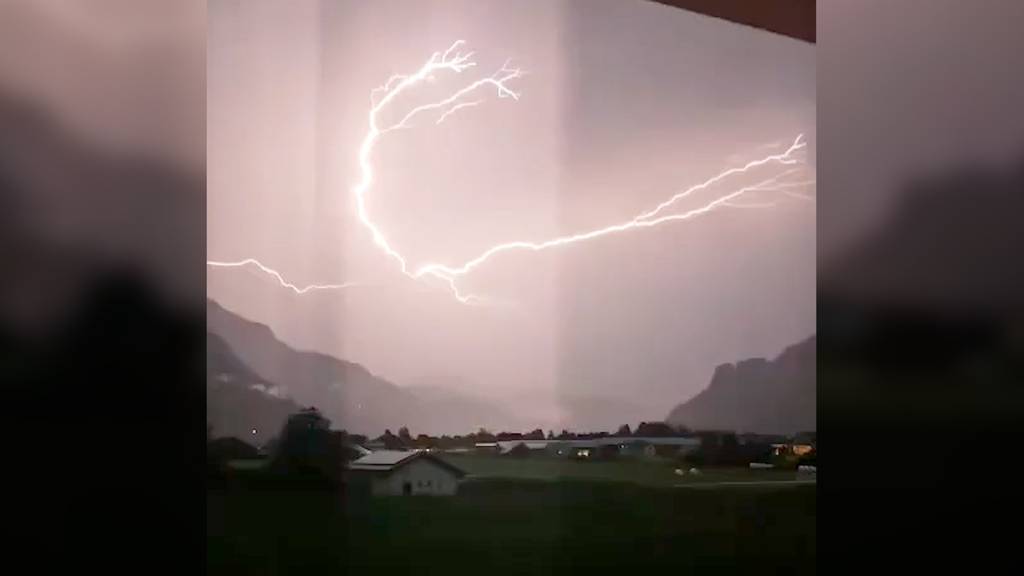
(389, 460)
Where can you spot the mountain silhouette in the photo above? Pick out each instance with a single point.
(238, 402)
(757, 395)
(346, 392)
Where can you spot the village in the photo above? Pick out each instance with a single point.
(403, 465)
(323, 497)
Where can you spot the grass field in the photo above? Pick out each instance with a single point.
(515, 526)
(637, 471)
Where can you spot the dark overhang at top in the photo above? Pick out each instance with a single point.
(793, 18)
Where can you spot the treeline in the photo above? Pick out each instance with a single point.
(308, 449)
(405, 439)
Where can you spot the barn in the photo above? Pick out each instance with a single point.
(399, 473)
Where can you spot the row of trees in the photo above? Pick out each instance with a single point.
(308, 448)
(405, 439)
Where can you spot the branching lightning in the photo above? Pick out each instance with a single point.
(280, 279)
(454, 61)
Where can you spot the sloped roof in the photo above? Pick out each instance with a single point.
(361, 449)
(508, 446)
(387, 461)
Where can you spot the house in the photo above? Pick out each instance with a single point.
(791, 448)
(487, 447)
(802, 444)
(397, 473)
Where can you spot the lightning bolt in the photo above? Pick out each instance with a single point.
(447, 272)
(457, 107)
(454, 61)
(280, 279)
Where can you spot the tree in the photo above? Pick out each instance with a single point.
(654, 430)
(403, 433)
(390, 441)
(624, 431)
(551, 435)
(309, 449)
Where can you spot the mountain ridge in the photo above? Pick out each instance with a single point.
(346, 392)
(758, 395)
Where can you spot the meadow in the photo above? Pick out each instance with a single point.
(648, 472)
(549, 519)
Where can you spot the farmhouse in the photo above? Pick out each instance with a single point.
(397, 473)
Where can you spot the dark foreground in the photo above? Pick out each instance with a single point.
(513, 527)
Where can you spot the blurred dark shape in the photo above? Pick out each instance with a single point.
(112, 408)
(70, 209)
(793, 18)
(925, 321)
(921, 365)
(952, 246)
(101, 319)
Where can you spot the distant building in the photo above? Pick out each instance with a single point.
(521, 448)
(794, 449)
(599, 448)
(396, 473)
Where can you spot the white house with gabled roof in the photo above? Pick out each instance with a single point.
(399, 473)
